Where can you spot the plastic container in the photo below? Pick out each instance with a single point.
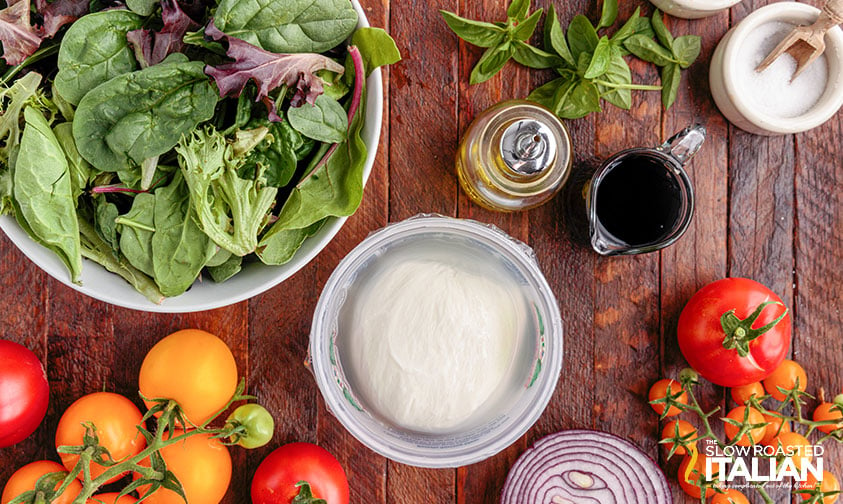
(736, 106)
(528, 385)
(694, 9)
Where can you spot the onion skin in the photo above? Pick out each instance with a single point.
(585, 467)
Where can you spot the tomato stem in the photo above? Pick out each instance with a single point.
(739, 333)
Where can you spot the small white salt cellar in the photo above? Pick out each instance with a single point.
(769, 102)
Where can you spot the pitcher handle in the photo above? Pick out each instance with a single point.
(683, 145)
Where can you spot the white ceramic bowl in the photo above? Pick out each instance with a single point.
(253, 280)
(524, 392)
(734, 104)
(694, 9)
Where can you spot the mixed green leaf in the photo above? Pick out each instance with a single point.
(177, 138)
(590, 66)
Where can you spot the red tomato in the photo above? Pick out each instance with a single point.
(24, 393)
(116, 419)
(276, 478)
(24, 479)
(732, 360)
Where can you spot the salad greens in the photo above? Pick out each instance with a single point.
(179, 137)
(590, 67)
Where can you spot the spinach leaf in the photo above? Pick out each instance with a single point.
(288, 26)
(325, 121)
(609, 14)
(43, 196)
(377, 48)
(138, 116)
(94, 50)
(277, 156)
(136, 229)
(582, 37)
(105, 216)
(226, 270)
(478, 33)
(80, 169)
(179, 248)
(141, 7)
(278, 246)
(221, 257)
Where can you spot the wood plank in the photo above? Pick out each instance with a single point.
(700, 256)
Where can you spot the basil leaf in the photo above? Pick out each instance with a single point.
(686, 49)
(599, 60)
(477, 33)
(582, 99)
(325, 121)
(671, 74)
(543, 95)
(94, 50)
(583, 63)
(534, 57)
(492, 61)
(526, 28)
(609, 14)
(554, 37)
(662, 33)
(563, 90)
(648, 50)
(518, 9)
(376, 47)
(618, 73)
(582, 37)
(635, 25)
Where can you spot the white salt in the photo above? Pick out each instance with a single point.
(771, 92)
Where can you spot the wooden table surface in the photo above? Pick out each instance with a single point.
(770, 209)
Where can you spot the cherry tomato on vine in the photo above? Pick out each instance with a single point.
(795, 446)
(684, 428)
(786, 376)
(660, 390)
(754, 417)
(115, 418)
(734, 332)
(192, 367)
(111, 498)
(775, 426)
(254, 424)
(24, 393)
(275, 481)
(24, 479)
(202, 465)
(742, 394)
(826, 412)
(828, 484)
(730, 496)
(690, 485)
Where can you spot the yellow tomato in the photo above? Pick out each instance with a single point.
(796, 445)
(24, 479)
(829, 484)
(192, 367)
(730, 496)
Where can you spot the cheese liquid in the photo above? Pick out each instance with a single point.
(430, 336)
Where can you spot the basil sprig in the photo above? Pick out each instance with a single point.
(590, 66)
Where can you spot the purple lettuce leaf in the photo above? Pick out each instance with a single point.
(151, 47)
(20, 39)
(269, 71)
(59, 13)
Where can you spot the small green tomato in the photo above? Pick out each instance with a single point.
(252, 426)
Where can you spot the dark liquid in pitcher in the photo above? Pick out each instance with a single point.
(638, 200)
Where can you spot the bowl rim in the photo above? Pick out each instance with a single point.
(786, 12)
(45, 260)
(336, 397)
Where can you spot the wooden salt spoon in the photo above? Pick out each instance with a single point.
(807, 43)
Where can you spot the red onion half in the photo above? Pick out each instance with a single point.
(585, 467)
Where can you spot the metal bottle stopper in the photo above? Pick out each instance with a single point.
(528, 147)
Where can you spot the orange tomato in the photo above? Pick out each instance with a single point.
(730, 496)
(24, 479)
(829, 484)
(661, 389)
(201, 464)
(111, 498)
(774, 428)
(786, 376)
(192, 367)
(669, 432)
(116, 419)
(753, 417)
(742, 394)
(823, 413)
(689, 485)
(797, 445)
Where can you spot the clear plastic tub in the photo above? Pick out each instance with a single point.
(531, 377)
